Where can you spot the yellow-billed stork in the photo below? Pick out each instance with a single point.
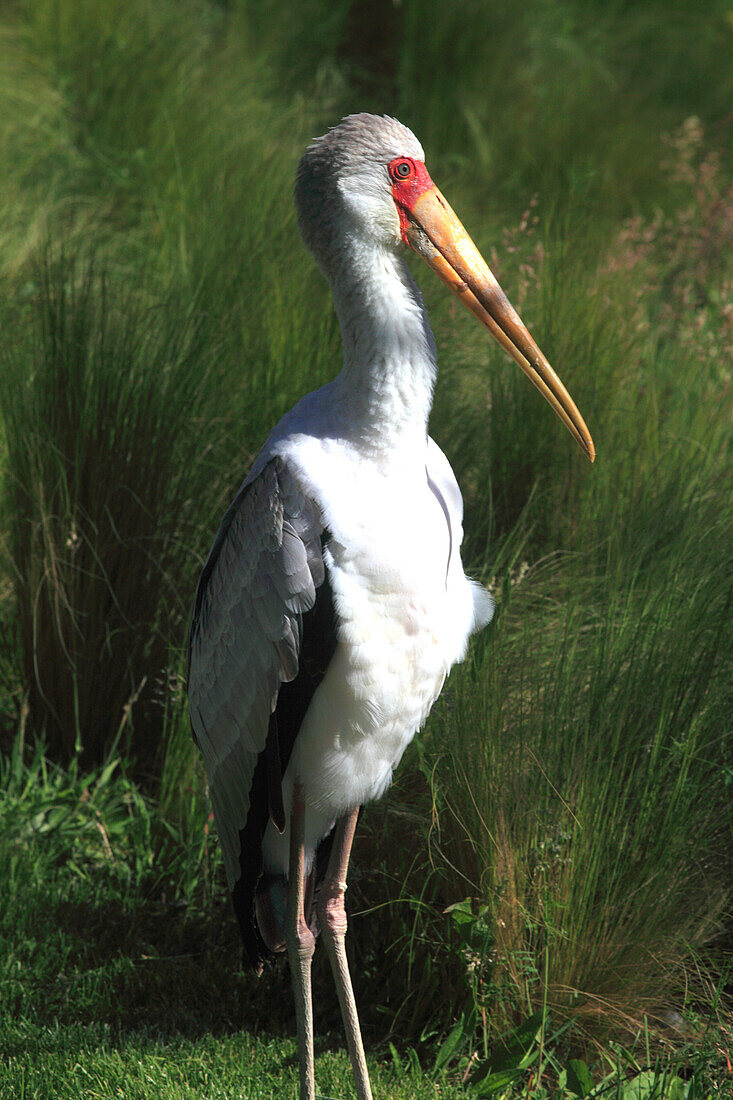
(333, 602)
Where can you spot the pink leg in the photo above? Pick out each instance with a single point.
(332, 919)
(301, 945)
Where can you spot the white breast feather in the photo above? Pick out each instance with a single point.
(405, 611)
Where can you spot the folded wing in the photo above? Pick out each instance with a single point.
(245, 638)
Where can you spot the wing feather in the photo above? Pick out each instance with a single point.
(259, 580)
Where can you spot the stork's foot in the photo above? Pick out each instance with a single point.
(301, 946)
(333, 923)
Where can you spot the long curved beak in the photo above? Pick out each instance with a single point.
(435, 233)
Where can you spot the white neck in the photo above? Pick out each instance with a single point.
(386, 384)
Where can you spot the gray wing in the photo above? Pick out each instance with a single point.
(260, 577)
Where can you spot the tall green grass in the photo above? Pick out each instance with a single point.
(161, 314)
(580, 763)
(101, 499)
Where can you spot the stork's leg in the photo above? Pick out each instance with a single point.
(301, 944)
(332, 920)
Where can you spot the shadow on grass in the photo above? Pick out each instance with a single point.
(78, 953)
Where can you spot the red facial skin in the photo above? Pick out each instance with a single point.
(406, 191)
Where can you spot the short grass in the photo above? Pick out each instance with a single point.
(92, 1062)
(557, 844)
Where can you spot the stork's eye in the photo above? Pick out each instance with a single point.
(401, 169)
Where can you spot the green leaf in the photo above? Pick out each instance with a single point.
(494, 1082)
(465, 1026)
(50, 819)
(653, 1086)
(460, 912)
(677, 1089)
(579, 1079)
(396, 1060)
(106, 774)
(511, 1054)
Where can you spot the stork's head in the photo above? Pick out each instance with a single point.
(367, 178)
(344, 183)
